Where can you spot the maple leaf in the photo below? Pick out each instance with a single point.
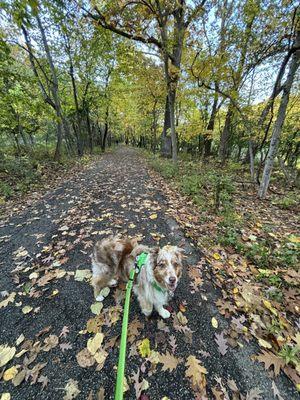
(65, 346)
(195, 372)
(169, 361)
(270, 359)
(221, 342)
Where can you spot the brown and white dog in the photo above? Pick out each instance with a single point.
(114, 257)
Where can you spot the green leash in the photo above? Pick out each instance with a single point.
(140, 261)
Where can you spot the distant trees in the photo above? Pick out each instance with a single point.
(212, 78)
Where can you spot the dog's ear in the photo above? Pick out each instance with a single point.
(134, 241)
(180, 252)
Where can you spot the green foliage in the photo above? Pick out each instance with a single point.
(290, 354)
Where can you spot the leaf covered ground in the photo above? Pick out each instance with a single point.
(58, 343)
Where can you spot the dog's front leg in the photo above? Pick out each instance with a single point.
(162, 311)
(146, 306)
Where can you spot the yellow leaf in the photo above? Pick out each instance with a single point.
(264, 343)
(214, 322)
(26, 309)
(94, 343)
(6, 354)
(144, 348)
(10, 373)
(235, 290)
(181, 318)
(5, 396)
(125, 385)
(268, 305)
(294, 239)
(216, 256)
(132, 226)
(153, 216)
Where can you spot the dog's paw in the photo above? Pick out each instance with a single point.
(164, 313)
(99, 297)
(147, 312)
(113, 283)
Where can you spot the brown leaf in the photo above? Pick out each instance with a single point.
(85, 359)
(50, 342)
(196, 373)
(270, 359)
(169, 361)
(221, 342)
(101, 394)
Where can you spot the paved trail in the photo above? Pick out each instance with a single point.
(114, 195)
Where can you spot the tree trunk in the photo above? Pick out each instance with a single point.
(210, 127)
(103, 144)
(280, 120)
(54, 91)
(172, 98)
(166, 146)
(224, 140)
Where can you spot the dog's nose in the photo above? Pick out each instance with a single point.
(172, 280)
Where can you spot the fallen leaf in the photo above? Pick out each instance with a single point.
(82, 274)
(214, 322)
(50, 342)
(64, 331)
(169, 361)
(94, 343)
(195, 372)
(264, 343)
(270, 359)
(10, 373)
(153, 216)
(20, 339)
(144, 348)
(43, 380)
(19, 378)
(5, 396)
(182, 318)
(26, 309)
(101, 394)
(9, 299)
(6, 354)
(96, 308)
(85, 358)
(65, 346)
(71, 389)
(276, 392)
(254, 394)
(221, 342)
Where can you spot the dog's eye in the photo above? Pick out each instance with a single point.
(161, 264)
